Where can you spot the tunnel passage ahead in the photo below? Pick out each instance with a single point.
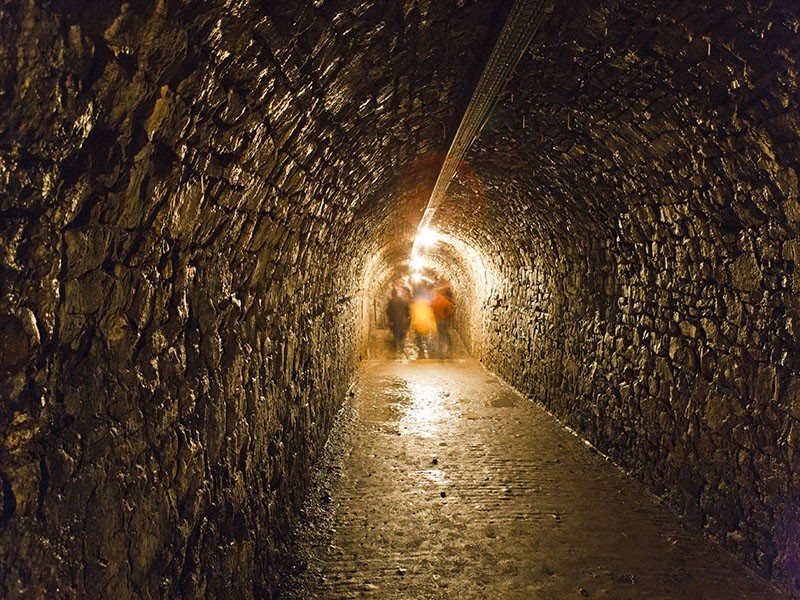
(445, 482)
(200, 199)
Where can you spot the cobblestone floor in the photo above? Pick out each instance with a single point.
(443, 482)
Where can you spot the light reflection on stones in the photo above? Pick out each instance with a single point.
(425, 414)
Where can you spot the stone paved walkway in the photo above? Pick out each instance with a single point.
(443, 482)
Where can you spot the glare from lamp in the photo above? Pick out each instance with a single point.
(417, 263)
(427, 238)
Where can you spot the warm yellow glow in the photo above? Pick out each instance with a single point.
(426, 413)
(427, 238)
(417, 263)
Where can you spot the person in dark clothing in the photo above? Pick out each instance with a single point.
(399, 316)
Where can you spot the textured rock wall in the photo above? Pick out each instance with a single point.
(646, 242)
(189, 194)
(192, 194)
(177, 353)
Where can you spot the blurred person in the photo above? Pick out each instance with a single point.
(442, 307)
(399, 315)
(423, 321)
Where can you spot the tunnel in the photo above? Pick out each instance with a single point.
(205, 202)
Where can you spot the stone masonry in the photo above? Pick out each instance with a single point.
(201, 203)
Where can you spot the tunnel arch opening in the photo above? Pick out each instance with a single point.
(449, 259)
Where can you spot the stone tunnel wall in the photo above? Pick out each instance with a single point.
(189, 194)
(174, 353)
(648, 254)
(682, 366)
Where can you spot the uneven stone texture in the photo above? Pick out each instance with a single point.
(201, 204)
(639, 210)
(190, 193)
(444, 482)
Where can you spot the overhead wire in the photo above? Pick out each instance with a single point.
(520, 26)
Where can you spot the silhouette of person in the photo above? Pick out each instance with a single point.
(399, 316)
(442, 306)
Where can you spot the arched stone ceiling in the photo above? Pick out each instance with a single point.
(197, 198)
(618, 107)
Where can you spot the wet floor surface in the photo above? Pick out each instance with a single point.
(443, 482)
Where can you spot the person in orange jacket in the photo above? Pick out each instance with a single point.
(442, 307)
(423, 322)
